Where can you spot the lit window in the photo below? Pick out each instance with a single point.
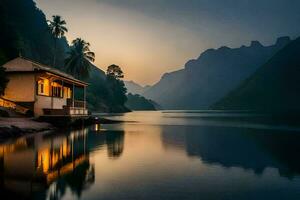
(57, 90)
(43, 87)
(67, 93)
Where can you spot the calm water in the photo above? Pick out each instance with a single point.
(154, 155)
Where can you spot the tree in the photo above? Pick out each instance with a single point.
(3, 80)
(58, 29)
(78, 61)
(114, 71)
(114, 75)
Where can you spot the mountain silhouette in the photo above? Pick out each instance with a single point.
(273, 87)
(135, 88)
(207, 79)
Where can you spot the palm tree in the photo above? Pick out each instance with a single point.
(58, 29)
(78, 62)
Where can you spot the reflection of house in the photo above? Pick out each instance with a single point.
(37, 162)
(44, 90)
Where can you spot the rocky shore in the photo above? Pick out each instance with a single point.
(11, 127)
(16, 127)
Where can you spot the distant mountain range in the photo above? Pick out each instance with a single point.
(135, 88)
(273, 87)
(207, 79)
(135, 99)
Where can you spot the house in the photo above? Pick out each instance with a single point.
(43, 90)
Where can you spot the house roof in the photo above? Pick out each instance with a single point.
(21, 64)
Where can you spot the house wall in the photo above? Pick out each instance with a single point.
(20, 88)
(43, 102)
(58, 103)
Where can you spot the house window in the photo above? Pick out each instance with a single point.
(43, 87)
(57, 90)
(67, 93)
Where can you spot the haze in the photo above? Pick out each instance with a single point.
(150, 37)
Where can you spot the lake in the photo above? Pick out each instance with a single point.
(157, 155)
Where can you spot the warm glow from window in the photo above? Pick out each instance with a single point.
(67, 93)
(43, 87)
(57, 89)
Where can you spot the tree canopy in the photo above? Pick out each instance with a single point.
(3, 80)
(57, 26)
(114, 71)
(114, 75)
(58, 29)
(78, 61)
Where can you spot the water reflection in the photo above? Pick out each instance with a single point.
(238, 147)
(31, 166)
(141, 160)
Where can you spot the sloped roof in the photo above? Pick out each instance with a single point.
(21, 64)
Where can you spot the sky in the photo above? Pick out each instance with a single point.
(148, 38)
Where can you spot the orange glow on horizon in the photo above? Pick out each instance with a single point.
(142, 46)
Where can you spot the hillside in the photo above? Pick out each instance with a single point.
(135, 88)
(25, 31)
(138, 102)
(273, 87)
(207, 79)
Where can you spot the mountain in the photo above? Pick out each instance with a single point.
(138, 102)
(24, 30)
(135, 88)
(273, 87)
(205, 80)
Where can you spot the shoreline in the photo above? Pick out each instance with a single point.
(17, 127)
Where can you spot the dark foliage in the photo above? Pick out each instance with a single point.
(3, 80)
(9, 39)
(114, 71)
(102, 93)
(138, 102)
(58, 29)
(27, 28)
(118, 90)
(78, 61)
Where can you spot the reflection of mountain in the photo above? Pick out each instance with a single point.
(31, 165)
(236, 147)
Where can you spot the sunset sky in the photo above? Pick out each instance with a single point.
(150, 37)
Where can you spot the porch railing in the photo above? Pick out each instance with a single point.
(77, 103)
